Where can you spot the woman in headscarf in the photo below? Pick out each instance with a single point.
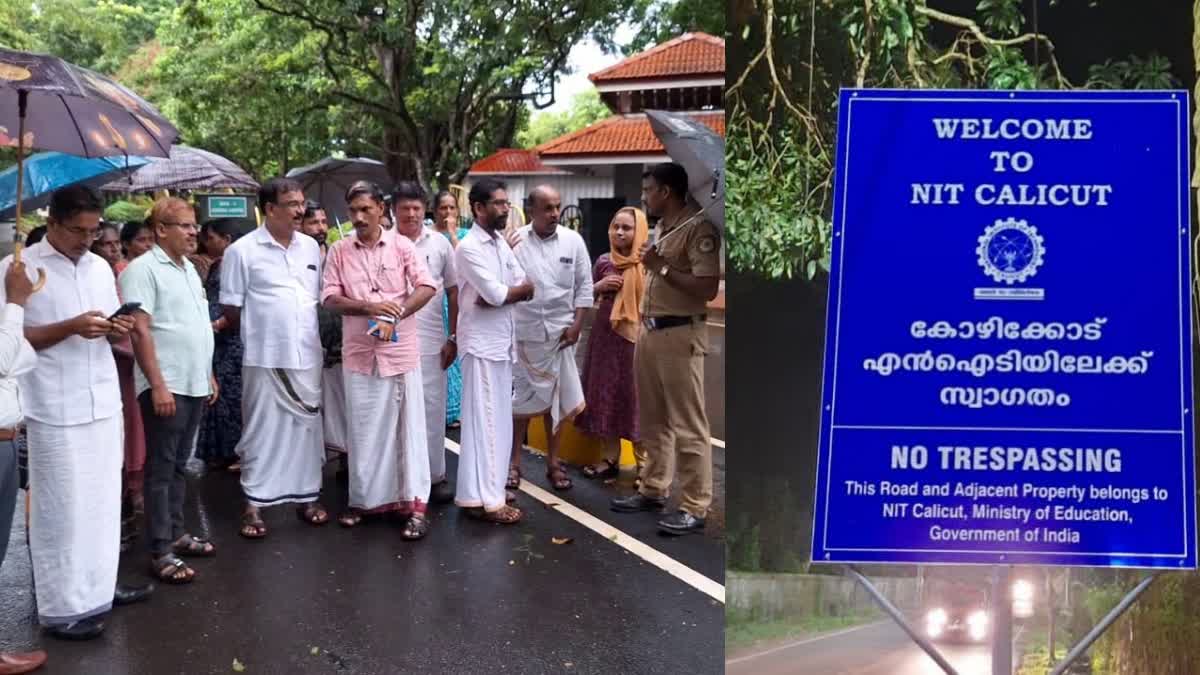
(609, 385)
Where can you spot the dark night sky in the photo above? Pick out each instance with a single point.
(1113, 29)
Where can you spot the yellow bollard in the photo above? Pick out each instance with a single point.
(576, 447)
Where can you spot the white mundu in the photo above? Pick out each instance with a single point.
(546, 378)
(277, 288)
(438, 255)
(72, 407)
(486, 268)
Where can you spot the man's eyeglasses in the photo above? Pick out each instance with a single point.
(294, 204)
(82, 233)
(500, 202)
(186, 226)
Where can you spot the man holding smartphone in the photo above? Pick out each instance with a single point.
(72, 407)
(173, 345)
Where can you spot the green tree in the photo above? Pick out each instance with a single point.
(790, 58)
(586, 108)
(444, 78)
(98, 35)
(666, 20)
(243, 83)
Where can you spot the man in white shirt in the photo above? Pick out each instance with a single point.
(270, 286)
(72, 406)
(16, 358)
(490, 282)
(546, 380)
(437, 350)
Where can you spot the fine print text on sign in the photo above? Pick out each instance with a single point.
(1008, 356)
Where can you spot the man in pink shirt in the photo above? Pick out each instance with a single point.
(367, 280)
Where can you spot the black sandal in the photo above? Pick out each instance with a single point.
(313, 514)
(350, 518)
(416, 527)
(197, 547)
(168, 568)
(612, 471)
(559, 480)
(253, 526)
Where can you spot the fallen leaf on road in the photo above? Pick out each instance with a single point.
(561, 540)
(613, 537)
(512, 562)
(610, 481)
(316, 650)
(237, 666)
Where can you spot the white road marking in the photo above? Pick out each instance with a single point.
(651, 555)
(804, 642)
(715, 324)
(718, 442)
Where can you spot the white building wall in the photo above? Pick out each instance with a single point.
(572, 187)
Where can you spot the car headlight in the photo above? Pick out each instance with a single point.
(937, 617)
(977, 618)
(1022, 591)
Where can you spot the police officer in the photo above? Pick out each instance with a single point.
(683, 268)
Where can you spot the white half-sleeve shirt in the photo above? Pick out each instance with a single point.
(278, 290)
(75, 381)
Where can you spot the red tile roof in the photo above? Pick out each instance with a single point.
(689, 55)
(512, 161)
(620, 134)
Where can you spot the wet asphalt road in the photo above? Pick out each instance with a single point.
(471, 598)
(876, 649)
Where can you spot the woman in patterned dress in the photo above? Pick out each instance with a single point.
(609, 383)
(222, 424)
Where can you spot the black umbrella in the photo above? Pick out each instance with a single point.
(327, 181)
(701, 152)
(55, 105)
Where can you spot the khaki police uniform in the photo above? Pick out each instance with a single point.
(670, 367)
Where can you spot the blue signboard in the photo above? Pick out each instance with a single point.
(1008, 372)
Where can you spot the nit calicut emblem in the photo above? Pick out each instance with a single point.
(1010, 250)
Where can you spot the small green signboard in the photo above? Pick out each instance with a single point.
(228, 207)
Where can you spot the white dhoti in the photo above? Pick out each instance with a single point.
(486, 433)
(546, 379)
(282, 444)
(389, 464)
(75, 519)
(333, 408)
(434, 385)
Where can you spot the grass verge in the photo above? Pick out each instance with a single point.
(742, 632)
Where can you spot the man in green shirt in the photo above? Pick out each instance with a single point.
(173, 346)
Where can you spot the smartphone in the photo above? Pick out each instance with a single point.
(125, 309)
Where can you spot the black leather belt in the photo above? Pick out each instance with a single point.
(661, 322)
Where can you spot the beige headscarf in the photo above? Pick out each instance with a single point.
(626, 311)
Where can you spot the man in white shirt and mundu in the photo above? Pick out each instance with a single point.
(546, 380)
(270, 285)
(490, 282)
(72, 407)
(438, 350)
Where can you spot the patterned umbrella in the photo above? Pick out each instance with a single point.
(186, 169)
(54, 105)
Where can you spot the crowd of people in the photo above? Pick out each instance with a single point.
(265, 348)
